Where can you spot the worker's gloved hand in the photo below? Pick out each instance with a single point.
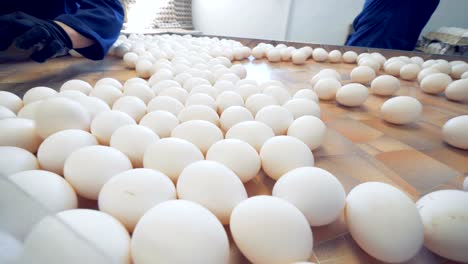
(46, 38)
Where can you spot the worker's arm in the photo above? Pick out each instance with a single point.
(94, 27)
(78, 41)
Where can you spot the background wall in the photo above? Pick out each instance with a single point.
(316, 21)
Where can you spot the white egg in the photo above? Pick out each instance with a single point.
(307, 50)
(106, 123)
(246, 81)
(257, 102)
(258, 52)
(106, 93)
(160, 75)
(384, 222)
(143, 68)
(410, 72)
(320, 55)
(457, 90)
(162, 85)
(232, 77)
(141, 91)
(75, 231)
(454, 132)
(309, 129)
(352, 95)
(332, 74)
(239, 70)
(435, 83)
(194, 185)
(362, 74)
(306, 94)
(77, 85)
(93, 105)
(425, 72)
(38, 93)
(204, 89)
(10, 101)
(269, 83)
(418, 60)
(71, 94)
(253, 132)
(277, 117)
(7, 113)
(286, 54)
(273, 55)
(130, 59)
(165, 103)
(316, 192)
(298, 57)
(56, 148)
(238, 156)
(201, 99)
(182, 77)
(234, 115)
(394, 67)
(131, 105)
(89, 168)
(14, 159)
(282, 154)
(200, 237)
(171, 156)
(443, 214)
(326, 88)
(11, 248)
(247, 90)
(401, 110)
(198, 112)
(200, 132)
(301, 107)
(222, 86)
(443, 67)
(280, 93)
(29, 111)
(133, 140)
(175, 92)
(18, 132)
(385, 85)
(48, 188)
(130, 194)
(258, 227)
(335, 56)
(370, 62)
(457, 70)
(161, 122)
(109, 81)
(350, 57)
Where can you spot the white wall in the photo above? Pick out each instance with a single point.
(324, 22)
(264, 19)
(316, 21)
(451, 13)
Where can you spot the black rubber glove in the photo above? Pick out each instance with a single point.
(46, 38)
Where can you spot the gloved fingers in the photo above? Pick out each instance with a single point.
(7, 35)
(49, 51)
(37, 35)
(13, 25)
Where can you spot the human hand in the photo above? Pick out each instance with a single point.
(44, 37)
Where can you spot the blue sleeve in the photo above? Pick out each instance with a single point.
(99, 20)
(391, 24)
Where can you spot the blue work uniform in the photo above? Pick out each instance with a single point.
(391, 24)
(99, 20)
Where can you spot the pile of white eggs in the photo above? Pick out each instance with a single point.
(166, 155)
